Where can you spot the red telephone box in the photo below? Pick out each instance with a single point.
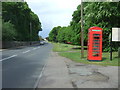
(94, 44)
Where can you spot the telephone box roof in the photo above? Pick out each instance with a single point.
(95, 28)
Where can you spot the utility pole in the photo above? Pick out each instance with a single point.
(82, 32)
(111, 46)
(30, 33)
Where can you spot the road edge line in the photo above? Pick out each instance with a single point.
(36, 85)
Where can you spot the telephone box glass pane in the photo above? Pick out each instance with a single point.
(95, 55)
(96, 46)
(96, 35)
(96, 43)
(96, 52)
(96, 40)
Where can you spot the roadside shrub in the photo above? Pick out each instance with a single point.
(8, 31)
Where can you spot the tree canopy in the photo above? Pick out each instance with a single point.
(18, 15)
(102, 14)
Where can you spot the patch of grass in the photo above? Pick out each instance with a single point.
(59, 47)
(64, 49)
(76, 56)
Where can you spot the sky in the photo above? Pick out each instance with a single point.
(53, 13)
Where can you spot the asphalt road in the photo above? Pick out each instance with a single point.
(21, 67)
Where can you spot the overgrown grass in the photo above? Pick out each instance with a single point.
(61, 47)
(64, 49)
(58, 47)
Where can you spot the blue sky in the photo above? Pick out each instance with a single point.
(53, 13)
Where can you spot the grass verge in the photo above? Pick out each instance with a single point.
(58, 47)
(73, 52)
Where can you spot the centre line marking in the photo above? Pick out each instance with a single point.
(34, 48)
(38, 47)
(26, 51)
(8, 58)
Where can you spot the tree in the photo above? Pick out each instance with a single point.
(102, 14)
(8, 31)
(53, 34)
(20, 15)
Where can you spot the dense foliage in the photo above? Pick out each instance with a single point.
(17, 17)
(9, 32)
(102, 14)
(0, 21)
(53, 34)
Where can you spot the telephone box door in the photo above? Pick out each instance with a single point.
(95, 43)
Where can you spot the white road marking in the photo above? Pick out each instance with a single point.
(40, 76)
(38, 47)
(34, 48)
(26, 51)
(16, 55)
(8, 58)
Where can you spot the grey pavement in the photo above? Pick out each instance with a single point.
(55, 74)
(22, 66)
(61, 72)
(92, 76)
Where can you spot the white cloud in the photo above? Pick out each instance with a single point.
(53, 12)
